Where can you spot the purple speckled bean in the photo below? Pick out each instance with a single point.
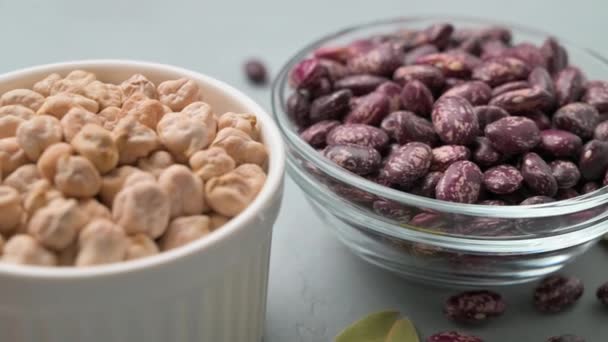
(423, 50)
(476, 92)
(406, 127)
(513, 134)
(541, 120)
(361, 160)
(461, 183)
(455, 121)
(369, 109)
(298, 108)
(426, 187)
(492, 202)
(431, 76)
(566, 338)
(492, 48)
(500, 70)
(335, 70)
(453, 64)
(558, 143)
(484, 154)
(307, 73)
(555, 55)
(330, 107)
(451, 82)
(453, 336)
(569, 85)
(522, 100)
(393, 210)
(359, 84)
(593, 160)
(428, 221)
(437, 34)
(601, 131)
(358, 134)
(557, 292)
(488, 114)
(498, 33)
(528, 53)
(316, 134)
(446, 155)
(335, 53)
(381, 60)
(540, 78)
(392, 91)
(564, 194)
(589, 187)
(578, 118)
(502, 179)
(321, 88)
(596, 94)
(474, 306)
(417, 98)
(537, 175)
(471, 45)
(408, 163)
(510, 86)
(537, 200)
(566, 173)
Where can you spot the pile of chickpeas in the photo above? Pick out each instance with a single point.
(96, 173)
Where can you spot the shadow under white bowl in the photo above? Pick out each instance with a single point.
(213, 289)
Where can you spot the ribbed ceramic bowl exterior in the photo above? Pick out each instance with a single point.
(213, 289)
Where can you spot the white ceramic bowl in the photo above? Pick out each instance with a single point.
(213, 289)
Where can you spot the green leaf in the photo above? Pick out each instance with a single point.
(403, 331)
(373, 328)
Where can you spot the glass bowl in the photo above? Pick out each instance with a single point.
(441, 242)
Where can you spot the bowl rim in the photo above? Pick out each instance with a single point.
(577, 204)
(273, 184)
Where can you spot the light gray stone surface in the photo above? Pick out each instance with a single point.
(316, 286)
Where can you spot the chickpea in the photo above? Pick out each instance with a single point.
(177, 94)
(58, 105)
(138, 83)
(76, 176)
(167, 110)
(24, 97)
(9, 125)
(76, 118)
(242, 121)
(211, 163)
(109, 116)
(101, 242)
(184, 230)
(11, 155)
(134, 140)
(184, 189)
(146, 111)
(231, 193)
(23, 178)
(35, 135)
(74, 82)
(201, 111)
(47, 163)
(138, 177)
(44, 86)
(156, 162)
(25, 250)
(67, 256)
(96, 144)
(140, 246)
(57, 224)
(182, 136)
(93, 209)
(40, 194)
(18, 111)
(112, 183)
(218, 220)
(10, 209)
(2, 242)
(107, 95)
(142, 208)
(241, 147)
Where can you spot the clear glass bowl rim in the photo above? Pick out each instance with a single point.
(577, 204)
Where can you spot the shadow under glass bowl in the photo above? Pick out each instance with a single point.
(441, 242)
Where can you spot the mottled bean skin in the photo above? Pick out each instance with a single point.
(540, 78)
(330, 107)
(426, 187)
(446, 155)
(298, 108)
(316, 134)
(423, 50)
(408, 163)
(474, 306)
(601, 131)
(537, 175)
(429, 75)
(578, 118)
(589, 187)
(555, 55)
(510, 86)
(502, 179)
(457, 64)
(381, 61)
(566, 338)
(392, 210)
(569, 85)
(541, 120)
(361, 160)
(437, 34)
(557, 292)
(393, 92)
(453, 336)
(417, 98)
(461, 182)
(406, 127)
(522, 100)
(307, 73)
(455, 121)
(488, 114)
(537, 200)
(500, 70)
(335, 70)
(358, 134)
(369, 109)
(484, 154)
(476, 92)
(564, 194)
(558, 143)
(359, 84)
(596, 94)
(513, 134)
(593, 159)
(566, 173)
(528, 53)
